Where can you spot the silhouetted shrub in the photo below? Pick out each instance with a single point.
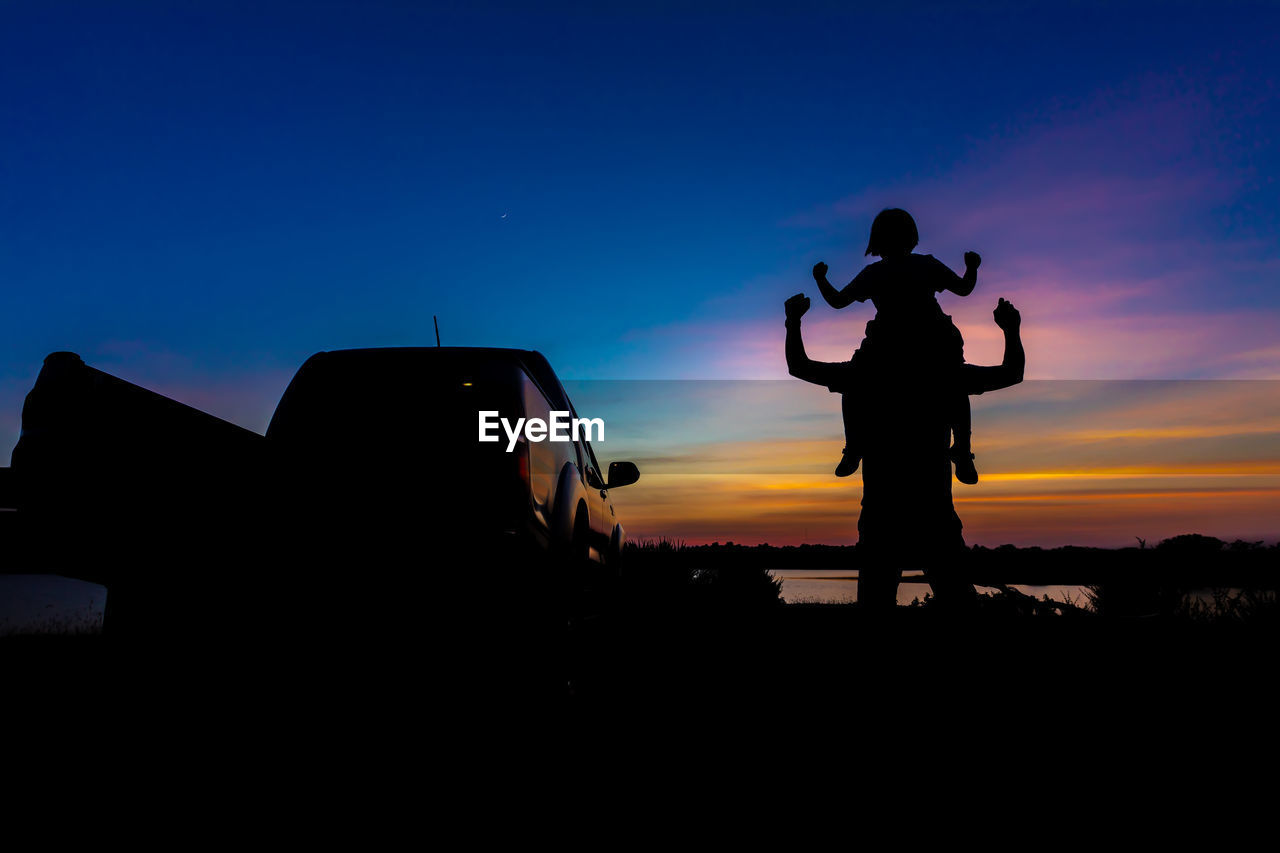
(1191, 544)
(1251, 607)
(667, 574)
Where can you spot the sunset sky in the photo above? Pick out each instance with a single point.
(198, 196)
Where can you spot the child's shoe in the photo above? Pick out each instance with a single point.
(965, 470)
(848, 463)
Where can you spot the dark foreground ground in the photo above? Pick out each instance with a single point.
(697, 643)
(1192, 623)
(821, 683)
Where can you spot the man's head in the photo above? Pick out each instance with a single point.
(892, 233)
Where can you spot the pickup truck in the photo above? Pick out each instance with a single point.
(368, 502)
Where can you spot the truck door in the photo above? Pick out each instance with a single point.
(597, 499)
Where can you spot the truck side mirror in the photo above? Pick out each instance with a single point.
(622, 474)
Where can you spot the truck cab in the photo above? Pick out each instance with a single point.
(397, 431)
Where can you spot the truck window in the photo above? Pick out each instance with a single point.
(542, 454)
(595, 477)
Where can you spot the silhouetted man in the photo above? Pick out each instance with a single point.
(908, 519)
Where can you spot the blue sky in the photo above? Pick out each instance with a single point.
(197, 196)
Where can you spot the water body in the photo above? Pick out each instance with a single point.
(840, 586)
(50, 603)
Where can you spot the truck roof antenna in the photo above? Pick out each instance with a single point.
(437, 322)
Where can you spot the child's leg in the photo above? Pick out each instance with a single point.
(960, 419)
(852, 438)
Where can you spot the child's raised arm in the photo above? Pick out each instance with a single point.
(960, 285)
(854, 291)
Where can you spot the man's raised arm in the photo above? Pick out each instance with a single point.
(799, 364)
(979, 378)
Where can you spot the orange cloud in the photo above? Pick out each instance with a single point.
(1061, 463)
